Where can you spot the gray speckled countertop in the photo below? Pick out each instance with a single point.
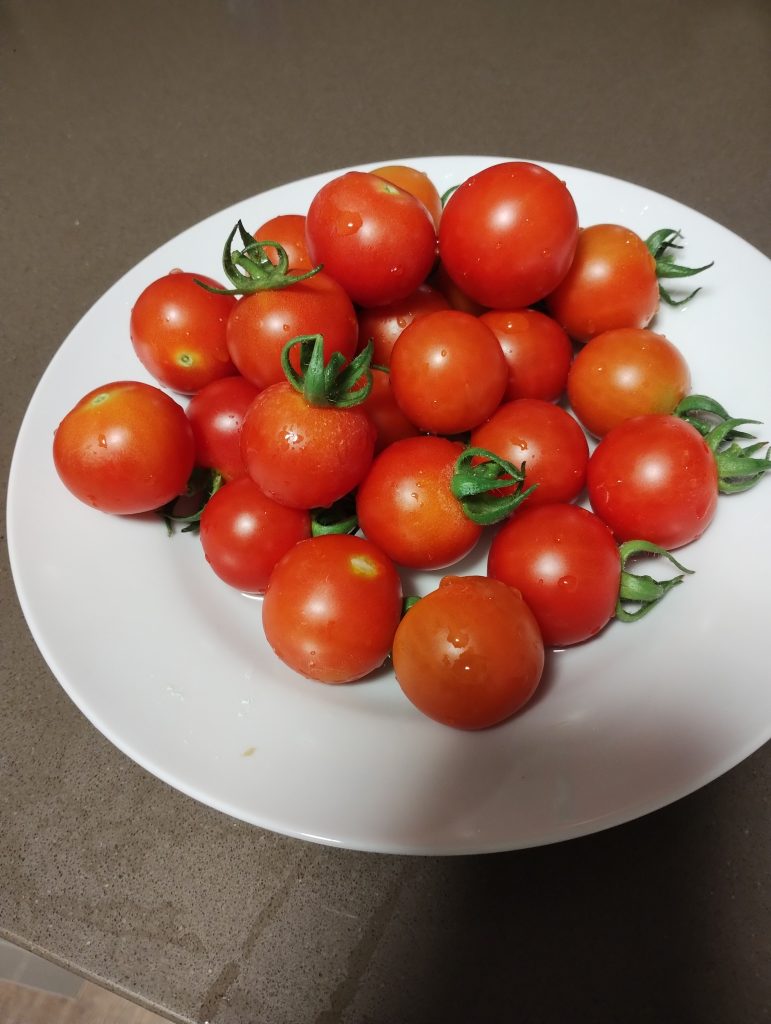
(122, 124)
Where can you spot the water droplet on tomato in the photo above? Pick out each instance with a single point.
(568, 583)
(348, 222)
(102, 441)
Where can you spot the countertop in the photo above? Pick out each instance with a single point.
(123, 124)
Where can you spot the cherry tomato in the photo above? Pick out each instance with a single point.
(216, 414)
(448, 372)
(288, 229)
(126, 447)
(537, 351)
(380, 405)
(564, 561)
(469, 654)
(302, 455)
(547, 439)
(654, 478)
(244, 533)
(374, 238)
(611, 283)
(406, 507)
(508, 234)
(263, 322)
(624, 373)
(332, 607)
(417, 183)
(178, 332)
(383, 324)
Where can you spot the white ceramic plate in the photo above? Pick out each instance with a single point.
(172, 667)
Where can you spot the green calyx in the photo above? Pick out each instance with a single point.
(739, 468)
(186, 510)
(339, 517)
(489, 491)
(337, 383)
(659, 245)
(643, 592)
(250, 270)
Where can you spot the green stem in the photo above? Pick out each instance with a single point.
(643, 591)
(489, 491)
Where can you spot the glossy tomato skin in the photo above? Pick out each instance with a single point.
(380, 405)
(469, 654)
(508, 234)
(288, 229)
(383, 324)
(406, 507)
(244, 534)
(448, 372)
(654, 478)
(417, 183)
(547, 439)
(375, 239)
(126, 447)
(564, 561)
(303, 456)
(332, 607)
(262, 323)
(216, 413)
(178, 332)
(624, 373)
(537, 351)
(611, 283)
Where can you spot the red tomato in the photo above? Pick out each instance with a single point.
(383, 324)
(216, 414)
(332, 607)
(178, 332)
(547, 439)
(406, 507)
(508, 234)
(380, 405)
(611, 283)
(624, 373)
(125, 447)
(374, 238)
(537, 352)
(302, 455)
(469, 654)
(263, 322)
(448, 372)
(417, 183)
(288, 229)
(654, 478)
(565, 563)
(244, 533)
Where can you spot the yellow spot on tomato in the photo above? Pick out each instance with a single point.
(362, 565)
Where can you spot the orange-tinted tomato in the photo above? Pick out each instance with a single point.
(624, 373)
(611, 283)
(332, 607)
(470, 653)
(288, 229)
(126, 447)
(417, 183)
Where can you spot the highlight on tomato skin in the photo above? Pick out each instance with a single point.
(332, 607)
(469, 654)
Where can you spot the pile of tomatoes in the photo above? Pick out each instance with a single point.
(382, 380)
